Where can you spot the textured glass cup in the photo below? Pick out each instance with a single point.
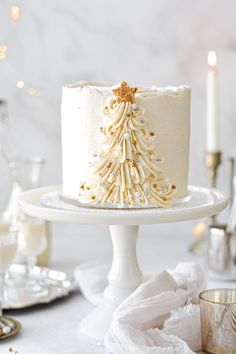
(218, 321)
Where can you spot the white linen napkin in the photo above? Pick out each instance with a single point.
(161, 316)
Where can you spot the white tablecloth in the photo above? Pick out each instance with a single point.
(52, 329)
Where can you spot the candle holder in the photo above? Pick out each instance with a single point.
(212, 161)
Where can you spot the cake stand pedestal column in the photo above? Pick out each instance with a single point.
(124, 277)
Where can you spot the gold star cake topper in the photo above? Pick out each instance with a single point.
(124, 93)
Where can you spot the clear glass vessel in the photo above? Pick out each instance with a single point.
(32, 241)
(8, 248)
(218, 321)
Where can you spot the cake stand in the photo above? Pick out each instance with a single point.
(125, 275)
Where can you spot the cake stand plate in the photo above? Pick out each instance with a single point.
(46, 203)
(125, 275)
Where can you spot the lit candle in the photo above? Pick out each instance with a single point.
(212, 138)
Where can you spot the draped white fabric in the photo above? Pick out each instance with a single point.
(161, 316)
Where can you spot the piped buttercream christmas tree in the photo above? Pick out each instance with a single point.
(126, 172)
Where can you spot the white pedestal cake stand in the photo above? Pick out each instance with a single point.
(125, 275)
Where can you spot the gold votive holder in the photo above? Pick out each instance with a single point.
(218, 321)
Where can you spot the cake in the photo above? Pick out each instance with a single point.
(125, 146)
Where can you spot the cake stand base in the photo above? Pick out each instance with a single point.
(94, 327)
(125, 275)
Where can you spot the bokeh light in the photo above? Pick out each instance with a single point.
(15, 12)
(20, 84)
(31, 91)
(3, 49)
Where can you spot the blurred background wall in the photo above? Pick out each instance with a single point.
(149, 42)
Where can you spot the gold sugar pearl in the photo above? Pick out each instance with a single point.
(164, 198)
(173, 186)
(155, 185)
(93, 197)
(112, 133)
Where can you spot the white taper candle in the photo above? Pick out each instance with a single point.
(213, 129)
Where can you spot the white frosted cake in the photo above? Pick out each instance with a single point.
(124, 146)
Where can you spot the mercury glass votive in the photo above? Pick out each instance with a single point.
(218, 321)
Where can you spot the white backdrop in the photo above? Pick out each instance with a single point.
(144, 42)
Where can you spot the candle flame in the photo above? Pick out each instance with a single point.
(212, 59)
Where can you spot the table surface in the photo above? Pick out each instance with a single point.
(52, 328)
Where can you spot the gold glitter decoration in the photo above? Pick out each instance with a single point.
(125, 93)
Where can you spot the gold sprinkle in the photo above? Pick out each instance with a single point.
(155, 185)
(164, 198)
(112, 133)
(173, 186)
(152, 133)
(93, 197)
(82, 186)
(109, 164)
(128, 115)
